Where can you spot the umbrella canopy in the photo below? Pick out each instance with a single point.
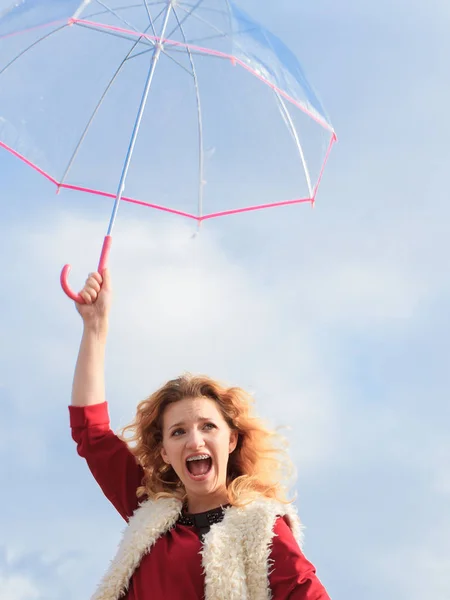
(182, 106)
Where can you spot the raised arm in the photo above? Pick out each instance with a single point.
(89, 379)
(109, 459)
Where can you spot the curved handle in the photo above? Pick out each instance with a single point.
(66, 287)
(101, 267)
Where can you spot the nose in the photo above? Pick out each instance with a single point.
(195, 440)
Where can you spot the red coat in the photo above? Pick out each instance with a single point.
(173, 568)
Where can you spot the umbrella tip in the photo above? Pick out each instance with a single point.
(196, 233)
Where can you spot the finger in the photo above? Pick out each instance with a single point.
(86, 297)
(95, 275)
(92, 292)
(93, 284)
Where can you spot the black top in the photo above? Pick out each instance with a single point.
(202, 521)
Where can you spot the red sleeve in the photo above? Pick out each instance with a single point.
(112, 464)
(292, 576)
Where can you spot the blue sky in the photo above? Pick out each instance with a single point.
(336, 318)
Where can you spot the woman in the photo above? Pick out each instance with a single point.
(198, 481)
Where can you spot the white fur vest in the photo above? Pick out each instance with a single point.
(235, 552)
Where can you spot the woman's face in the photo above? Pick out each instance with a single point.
(197, 442)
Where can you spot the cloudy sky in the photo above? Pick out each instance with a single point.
(335, 318)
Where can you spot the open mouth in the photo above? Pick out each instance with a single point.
(199, 468)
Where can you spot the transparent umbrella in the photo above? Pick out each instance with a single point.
(187, 107)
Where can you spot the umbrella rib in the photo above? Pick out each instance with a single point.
(113, 12)
(188, 14)
(165, 54)
(201, 171)
(205, 22)
(207, 39)
(218, 36)
(182, 50)
(152, 43)
(295, 135)
(222, 33)
(127, 7)
(117, 34)
(148, 41)
(96, 109)
(206, 8)
(153, 21)
(47, 35)
(150, 17)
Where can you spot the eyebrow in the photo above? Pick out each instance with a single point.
(181, 424)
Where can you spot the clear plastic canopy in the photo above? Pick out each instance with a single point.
(230, 122)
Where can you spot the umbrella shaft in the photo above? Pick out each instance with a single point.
(155, 57)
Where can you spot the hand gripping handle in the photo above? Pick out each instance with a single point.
(101, 267)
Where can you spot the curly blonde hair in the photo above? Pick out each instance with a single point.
(259, 466)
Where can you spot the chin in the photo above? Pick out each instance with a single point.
(204, 488)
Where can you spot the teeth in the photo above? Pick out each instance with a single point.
(199, 457)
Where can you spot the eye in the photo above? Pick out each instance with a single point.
(177, 432)
(209, 426)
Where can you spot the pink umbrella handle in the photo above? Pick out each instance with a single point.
(101, 267)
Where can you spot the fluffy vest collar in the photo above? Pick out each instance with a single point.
(235, 552)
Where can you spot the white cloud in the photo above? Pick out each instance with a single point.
(15, 587)
(179, 304)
